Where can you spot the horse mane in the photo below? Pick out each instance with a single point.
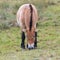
(31, 11)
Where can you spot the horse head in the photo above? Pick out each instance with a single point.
(30, 39)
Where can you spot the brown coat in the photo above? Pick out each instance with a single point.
(23, 17)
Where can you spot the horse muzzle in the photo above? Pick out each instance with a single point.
(30, 46)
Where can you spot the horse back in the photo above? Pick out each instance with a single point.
(23, 15)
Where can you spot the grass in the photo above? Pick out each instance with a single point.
(48, 32)
(48, 44)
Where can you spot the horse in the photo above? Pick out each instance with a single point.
(27, 18)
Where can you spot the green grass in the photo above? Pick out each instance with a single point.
(48, 32)
(48, 44)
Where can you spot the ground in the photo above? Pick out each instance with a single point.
(48, 45)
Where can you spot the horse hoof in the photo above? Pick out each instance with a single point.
(27, 45)
(22, 46)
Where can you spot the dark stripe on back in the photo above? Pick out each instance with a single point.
(31, 11)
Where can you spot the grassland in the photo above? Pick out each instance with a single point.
(48, 32)
(48, 45)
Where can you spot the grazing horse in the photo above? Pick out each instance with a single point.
(27, 18)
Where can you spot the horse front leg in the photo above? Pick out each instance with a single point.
(23, 40)
(35, 43)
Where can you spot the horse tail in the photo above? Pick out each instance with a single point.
(31, 11)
